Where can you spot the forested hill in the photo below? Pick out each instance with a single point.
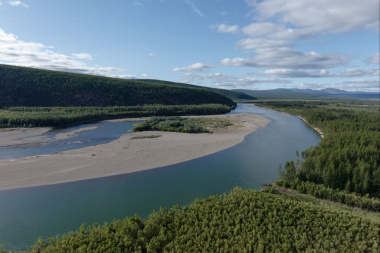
(234, 95)
(20, 86)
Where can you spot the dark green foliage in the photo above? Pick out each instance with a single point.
(21, 86)
(323, 192)
(182, 125)
(64, 116)
(242, 221)
(348, 158)
(231, 94)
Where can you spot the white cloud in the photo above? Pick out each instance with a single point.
(125, 76)
(145, 75)
(299, 73)
(226, 28)
(152, 54)
(276, 23)
(352, 85)
(195, 9)
(194, 67)
(374, 59)
(250, 44)
(228, 81)
(322, 16)
(83, 56)
(14, 51)
(286, 58)
(18, 3)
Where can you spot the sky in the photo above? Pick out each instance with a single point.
(230, 44)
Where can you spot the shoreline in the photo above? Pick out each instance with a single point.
(319, 131)
(124, 155)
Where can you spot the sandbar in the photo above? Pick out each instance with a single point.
(124, 155)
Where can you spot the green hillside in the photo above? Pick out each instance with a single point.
(22, 86)
(231, 94)
(242, 221)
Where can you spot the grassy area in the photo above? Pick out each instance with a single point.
(183, 125)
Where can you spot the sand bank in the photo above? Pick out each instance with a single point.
(124, 155)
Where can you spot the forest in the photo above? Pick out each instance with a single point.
(22, 86)
(66, 116)
(241, 221)
(348, 157)
(231, 94)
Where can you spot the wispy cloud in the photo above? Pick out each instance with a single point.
(18, 3)
(352, 85)
(374, 59)
(152, 54)
(14, 51)
(137, 3)
(287, 58)
(83, 56)
(223, 28)
(195, 67)
(195, 9)
(224, 13)
(300, 73)
(229, 81)
(276, 24)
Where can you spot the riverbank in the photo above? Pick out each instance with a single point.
(319, 131)
(124, 155)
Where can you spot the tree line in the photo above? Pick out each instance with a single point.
(348, 158)
(241, 221)
(65, 116)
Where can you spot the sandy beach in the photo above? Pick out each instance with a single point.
(124, 155)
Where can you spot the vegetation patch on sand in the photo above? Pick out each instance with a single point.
(145, 137)
(183, 125)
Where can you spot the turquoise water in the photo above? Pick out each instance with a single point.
(26, 214)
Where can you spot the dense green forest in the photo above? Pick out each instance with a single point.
(241, 221)
(22, 86)
(348, 158)
(65, 116)
(182, 125)
(231, 94)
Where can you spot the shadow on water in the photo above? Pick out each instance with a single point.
(47, 211)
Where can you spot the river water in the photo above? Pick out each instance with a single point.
(26, 214)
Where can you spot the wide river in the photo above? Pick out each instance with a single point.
(26, 214)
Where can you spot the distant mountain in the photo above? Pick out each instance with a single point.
(20, 86)
(231, 94)
(309, 94)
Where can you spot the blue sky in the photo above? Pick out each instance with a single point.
(217, 43)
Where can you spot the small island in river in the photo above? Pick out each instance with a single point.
(130, 153)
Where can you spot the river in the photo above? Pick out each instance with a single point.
(26, 214)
